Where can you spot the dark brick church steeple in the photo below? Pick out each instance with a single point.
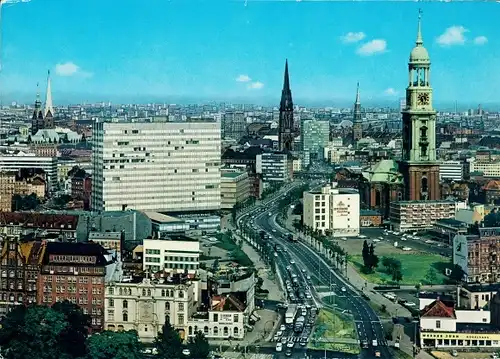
(286, 123)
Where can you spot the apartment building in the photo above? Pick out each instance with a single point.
(419, 215)
(274, 167)
(451, 170)
(144, 304)
(477, 255)
(156, 166)
(173, 255)
(234, 188)
(23, 182)
(11, 163)
(74, 272)
(334, 210)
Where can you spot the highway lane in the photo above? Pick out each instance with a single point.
(368, 325)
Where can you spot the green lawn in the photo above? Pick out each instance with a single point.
(336, 347)
(415, 267)
(330, 325)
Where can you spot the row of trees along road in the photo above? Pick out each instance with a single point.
(61, 332)
(323, 243)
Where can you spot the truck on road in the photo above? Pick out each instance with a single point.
(290, 314)
(299, 324)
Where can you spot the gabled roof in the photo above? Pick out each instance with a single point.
(227, 303)
(439, 309)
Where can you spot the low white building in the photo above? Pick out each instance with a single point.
(173, 255)
(411, 216)
(227, 318)
(334, 210)
(444, 327)
(144, 305)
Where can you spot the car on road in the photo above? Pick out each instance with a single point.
(377, 354)
(279, 333)
(376, 240)
(290, 344)
(186, 352)
(364, 344)
(282, 327)
(288, 352)
(343, 289)
(279, 347)
(292, 262)
(284, 340)
(303, 341)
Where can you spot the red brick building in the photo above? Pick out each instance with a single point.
(81, 188)
(74, 272)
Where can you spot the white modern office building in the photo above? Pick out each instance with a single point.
(27, 160)
(333, 210)
(451, 170)
(156, 166)
(171, 255)
(274, 167)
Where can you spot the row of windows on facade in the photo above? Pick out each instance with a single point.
(206, 331)
(12, 297)
(164, 292)
(18, 274)
(11, 285)
(173, 258)
(70, 270)
(73, 279)
(71, 289)
(80, 301)
(111, 304)
(172, 266)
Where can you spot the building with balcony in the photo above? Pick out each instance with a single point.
(408, 216)
(333, 210)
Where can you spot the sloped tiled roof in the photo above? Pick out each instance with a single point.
(493, 185)
(439, 309)
(227, 302)
(39, 220)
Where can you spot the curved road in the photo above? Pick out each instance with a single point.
(368, 325)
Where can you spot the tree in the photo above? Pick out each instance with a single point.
(457, 274)
(114, 345)
(198, 346)
(431, 276)
(33, 333)
(372, 258)
(366, 254)
(168, 342)
(73, 337)
(397, 275)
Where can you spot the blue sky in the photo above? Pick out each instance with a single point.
(111, 50)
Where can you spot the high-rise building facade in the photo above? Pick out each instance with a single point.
(315, 135)
(286, 128)
(419, 165)
(233, 125)
(156, 166)
(357, 129)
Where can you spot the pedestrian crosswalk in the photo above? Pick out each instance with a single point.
(289, 339)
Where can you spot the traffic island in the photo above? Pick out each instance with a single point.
(334, 331)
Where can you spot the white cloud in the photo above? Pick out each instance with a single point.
(70, 69)
(352, 37)
(243, 78)
(372, 47)
(390, 92)
(454, 35)
(480, 40)
(256, 85)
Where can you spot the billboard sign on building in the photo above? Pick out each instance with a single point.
(460, 252)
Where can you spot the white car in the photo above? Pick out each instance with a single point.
(290, 344)
(343, 289)
(279, 347)
(186, 352)
(282, 327)
(292, 262)
(406, 249)
(376, 240)
(279, 333)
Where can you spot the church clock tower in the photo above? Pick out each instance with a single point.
(419, 165)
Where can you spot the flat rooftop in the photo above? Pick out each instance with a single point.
(162, 218)
(231, 174)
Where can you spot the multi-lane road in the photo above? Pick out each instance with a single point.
(368, 325)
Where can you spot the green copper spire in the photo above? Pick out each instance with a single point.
(419, 41)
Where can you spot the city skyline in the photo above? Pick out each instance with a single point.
(223, 51)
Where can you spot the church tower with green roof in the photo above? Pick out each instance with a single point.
(419, 165)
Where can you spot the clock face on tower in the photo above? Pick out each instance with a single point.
(423, 99)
